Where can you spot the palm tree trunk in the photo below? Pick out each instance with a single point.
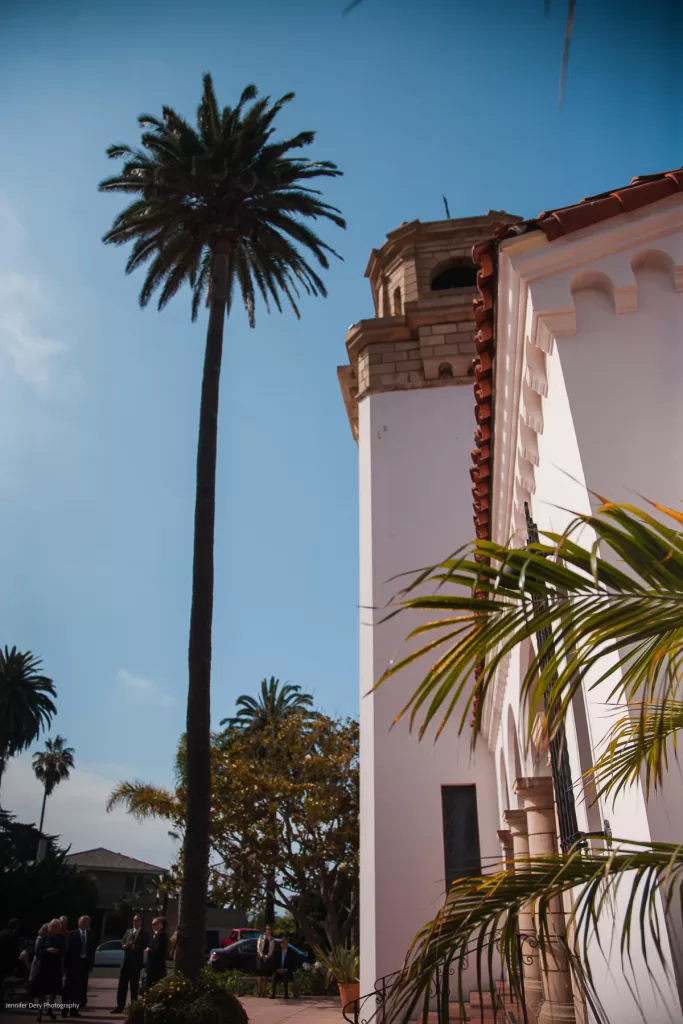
(192, 923)
(42, 813)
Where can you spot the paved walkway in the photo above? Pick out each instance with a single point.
(102, 999)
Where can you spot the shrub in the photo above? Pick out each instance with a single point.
(174, 1000)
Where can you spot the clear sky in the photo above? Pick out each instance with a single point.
(99, 400)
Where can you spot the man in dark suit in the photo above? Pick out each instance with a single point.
(157, 953)
(78, 963)
(285, 960)
(135, 942)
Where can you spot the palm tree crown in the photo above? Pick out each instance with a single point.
(52, 766)
(26, 702)
(272, 706)
(224, 185)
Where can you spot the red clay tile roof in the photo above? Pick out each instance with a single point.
(641, 192)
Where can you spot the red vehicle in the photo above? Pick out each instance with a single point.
(237, 934)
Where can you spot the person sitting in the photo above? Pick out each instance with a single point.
(284, 962)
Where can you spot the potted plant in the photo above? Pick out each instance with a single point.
(343, 964)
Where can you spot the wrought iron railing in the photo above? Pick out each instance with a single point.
(372, 1007)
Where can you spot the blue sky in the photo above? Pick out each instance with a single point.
(99, 400)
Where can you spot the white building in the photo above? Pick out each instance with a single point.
(574, 344)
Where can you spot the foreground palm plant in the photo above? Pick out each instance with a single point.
(52, 766)
(216, 206)
(612, 612)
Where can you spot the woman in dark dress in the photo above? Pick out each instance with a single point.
(157, 953)
(265, 950)
(47, 981)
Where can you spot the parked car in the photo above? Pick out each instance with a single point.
(241, 956)
(111, 953)
(237, 934)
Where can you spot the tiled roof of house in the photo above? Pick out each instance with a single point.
(554, 223)
(100, 859)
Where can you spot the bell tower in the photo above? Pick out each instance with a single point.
(429, 811)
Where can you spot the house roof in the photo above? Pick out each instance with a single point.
(642, 191)
(100, 859)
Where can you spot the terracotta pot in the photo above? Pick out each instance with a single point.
(348, 992)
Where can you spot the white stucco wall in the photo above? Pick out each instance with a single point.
(611, 419)
(415, 509)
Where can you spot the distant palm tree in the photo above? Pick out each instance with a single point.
(215, 206)
(26, 702)
(52, 766)
(271, 707)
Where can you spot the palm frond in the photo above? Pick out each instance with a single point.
(638, 747)
(623, 626)
(143, 801)
(479, 920)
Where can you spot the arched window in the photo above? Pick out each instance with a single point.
(459, 274)
(398, 304)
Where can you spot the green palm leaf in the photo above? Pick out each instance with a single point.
(638, 747)
(480, 917)
(622, 624)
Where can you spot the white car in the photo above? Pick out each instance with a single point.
(111, 954)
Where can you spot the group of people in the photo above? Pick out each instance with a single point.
(59, 964)
(274, 960)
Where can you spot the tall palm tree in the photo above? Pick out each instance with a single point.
(272, 706)
(26, 702)
(52, 766)
(265, 713)
(616, 618)
(216, 205)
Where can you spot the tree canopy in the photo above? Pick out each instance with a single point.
(283, 802)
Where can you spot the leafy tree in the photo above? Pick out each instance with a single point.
(214, 206)
(287, 801)
(612, 619)
(292, 810)
(271, 707)
(26, 702)
(266, 713)
(52, 766)
(36, 892)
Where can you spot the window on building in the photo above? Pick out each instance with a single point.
(461, 274)
(398, 304)
(129, 883)
(460, 832)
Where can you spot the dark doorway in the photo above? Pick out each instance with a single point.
(460, 832)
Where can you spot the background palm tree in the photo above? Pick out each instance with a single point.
(213, 206)
(266, 712)
(616, 618)
(26, 702)
(272, 706)
(52, 766)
